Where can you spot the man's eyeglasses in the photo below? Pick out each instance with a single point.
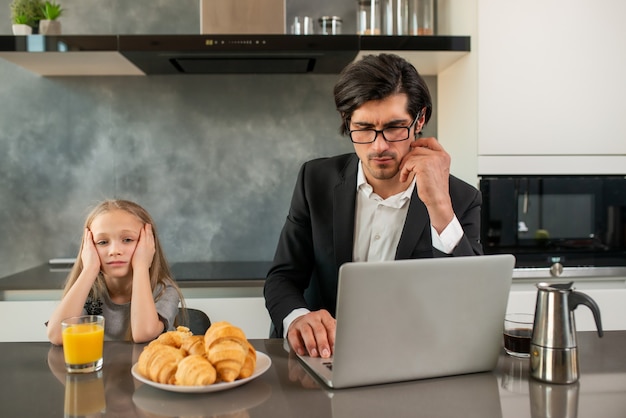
(390, 134)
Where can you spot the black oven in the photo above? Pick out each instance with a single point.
(568, 221)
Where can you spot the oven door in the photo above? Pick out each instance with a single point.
(577, 221)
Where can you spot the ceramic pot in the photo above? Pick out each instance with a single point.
(49, 27)
(20, 29)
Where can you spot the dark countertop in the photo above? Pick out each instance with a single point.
(187, 274)
(35, 384)
(250, 272)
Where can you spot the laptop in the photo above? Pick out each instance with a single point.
(416, 319)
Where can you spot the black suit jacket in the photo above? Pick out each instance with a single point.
(317, 237)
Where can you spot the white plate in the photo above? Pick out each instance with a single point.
(263, 362)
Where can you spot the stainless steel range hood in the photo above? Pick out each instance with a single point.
(239, 54)
(115, 55)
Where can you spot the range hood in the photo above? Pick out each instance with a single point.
(239, 54)
(84, 55)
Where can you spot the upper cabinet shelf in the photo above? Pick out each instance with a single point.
(67, 55)
(99, 55)
(430, 54)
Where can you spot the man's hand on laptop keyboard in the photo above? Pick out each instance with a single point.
(313, 334)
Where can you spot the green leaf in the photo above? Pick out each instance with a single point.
(51, 10)
(27, 10)
(21, 20)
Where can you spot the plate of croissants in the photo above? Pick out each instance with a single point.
(221, 359)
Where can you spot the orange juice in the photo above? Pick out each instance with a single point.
(82, 343)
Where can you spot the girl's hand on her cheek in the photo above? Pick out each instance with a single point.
(144, 252)
(89, 255)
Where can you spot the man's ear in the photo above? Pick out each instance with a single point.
(420, 122)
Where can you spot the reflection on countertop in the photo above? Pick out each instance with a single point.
(288, 390)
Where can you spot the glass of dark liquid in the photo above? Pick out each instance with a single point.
(518, 328)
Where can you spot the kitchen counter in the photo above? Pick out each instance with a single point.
(234, 291)
(48, 279)
(35, 384)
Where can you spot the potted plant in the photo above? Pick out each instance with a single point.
(49, 25)
(20, 25)
(25, 15)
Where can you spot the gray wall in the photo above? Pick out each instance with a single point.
(213, 158)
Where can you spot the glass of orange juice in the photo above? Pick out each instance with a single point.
(83, 342)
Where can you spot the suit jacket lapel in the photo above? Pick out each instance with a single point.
(414, 227)
(344, 205)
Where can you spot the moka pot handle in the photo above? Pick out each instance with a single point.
(578, 298)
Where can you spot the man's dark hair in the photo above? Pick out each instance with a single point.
(376, 77)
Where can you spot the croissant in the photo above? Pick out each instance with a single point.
(193, 345)
(159, 362)
(195, 370)
(226, 347)
(173, 338)
(249, 364)
(144, 358)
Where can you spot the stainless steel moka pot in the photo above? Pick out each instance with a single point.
(553, 351)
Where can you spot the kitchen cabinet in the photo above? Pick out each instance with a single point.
(248, 309)
(551, 89)
(28, 317)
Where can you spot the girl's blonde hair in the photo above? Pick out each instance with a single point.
(159, 270)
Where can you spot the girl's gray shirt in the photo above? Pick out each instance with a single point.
(117, 316)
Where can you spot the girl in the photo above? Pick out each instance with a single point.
(121, 273)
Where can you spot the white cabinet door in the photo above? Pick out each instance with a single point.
(551, 77)
(25, 320)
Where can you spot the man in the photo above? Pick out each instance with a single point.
(394, 198)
